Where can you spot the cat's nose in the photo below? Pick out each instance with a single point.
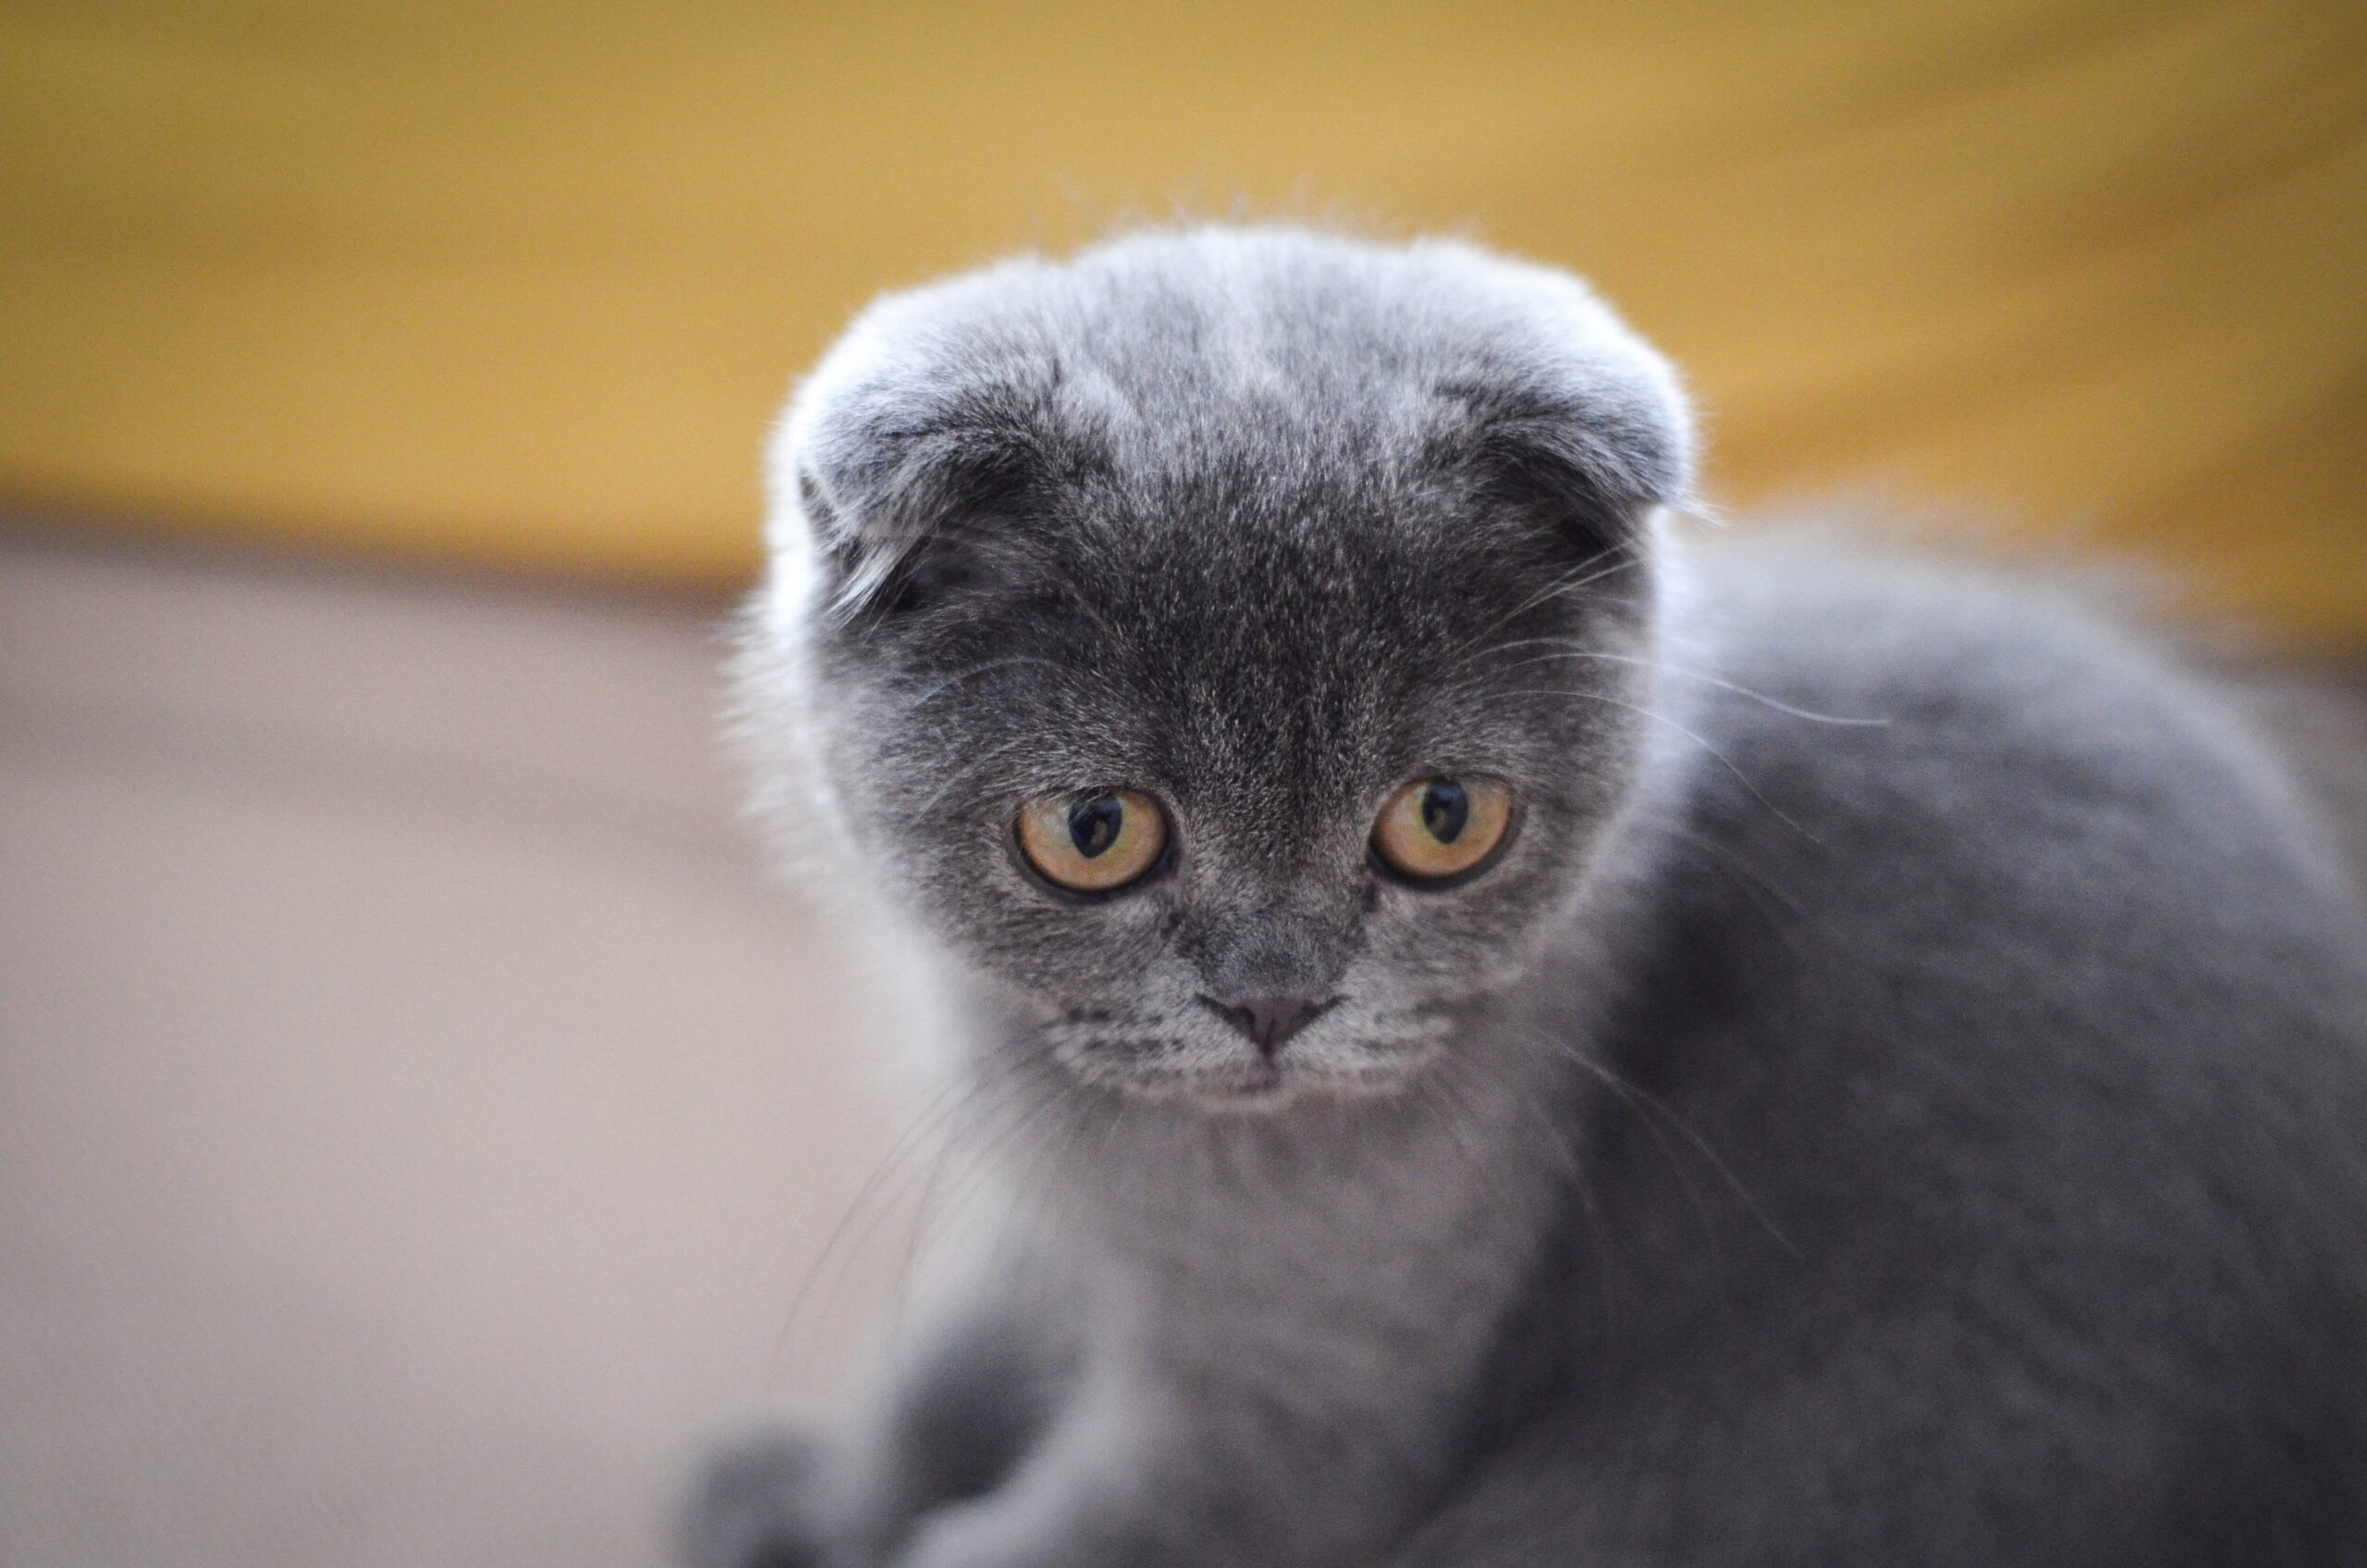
(1268, 1018)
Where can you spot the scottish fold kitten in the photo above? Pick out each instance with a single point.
(1534, 1047)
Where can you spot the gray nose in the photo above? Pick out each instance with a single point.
(1269, 1021)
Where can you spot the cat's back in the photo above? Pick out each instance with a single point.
(1975, 748)
(1999, 998)
(2017, 822)
(2013, 987)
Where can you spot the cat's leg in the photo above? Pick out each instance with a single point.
(1139, 1472)
(967, 1400)
(757, 1502)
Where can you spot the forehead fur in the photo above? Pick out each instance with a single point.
(1272, 363)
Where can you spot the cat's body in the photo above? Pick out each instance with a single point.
(1899, 1097)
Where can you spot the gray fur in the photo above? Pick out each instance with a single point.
(1898, 1100)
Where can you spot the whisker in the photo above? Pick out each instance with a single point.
(1722, 760)
(1668, 1151)
(1607, 1274)
(922, 1125)
(979, 761)
(1722, 857)
(1457, 1109)
(987, 1154)
(1623, 557)
(913, 704)
(1662, 666)
(1592, 569)
(1625, 1087)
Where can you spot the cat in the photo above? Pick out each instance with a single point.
(1533, 1041)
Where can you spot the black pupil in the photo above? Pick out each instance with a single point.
(1445, 809)
(1093, 823)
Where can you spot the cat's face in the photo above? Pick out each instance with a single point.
(1243, 749)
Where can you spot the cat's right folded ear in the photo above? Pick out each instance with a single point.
(904, 471)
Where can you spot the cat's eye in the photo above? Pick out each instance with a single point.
(1437, 831)
(1095, 843)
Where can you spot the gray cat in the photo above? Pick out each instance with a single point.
(1529, 1046)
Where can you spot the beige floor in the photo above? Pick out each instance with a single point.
(417, 1114)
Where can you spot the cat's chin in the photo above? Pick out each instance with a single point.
(1263, 1088)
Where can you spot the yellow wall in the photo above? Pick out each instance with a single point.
(522, 283)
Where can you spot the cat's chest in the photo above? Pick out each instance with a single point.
(1384, 1275)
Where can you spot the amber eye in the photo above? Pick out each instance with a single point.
(1437, 828)
(1093, 843)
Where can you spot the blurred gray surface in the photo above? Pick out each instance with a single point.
(418, 1114)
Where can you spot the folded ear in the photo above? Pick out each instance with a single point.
(892, 488)
(911, 457)
(1590, 449)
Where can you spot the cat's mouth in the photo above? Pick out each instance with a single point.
(1257, 1081)
(1213, 1070)
(1258, 1084)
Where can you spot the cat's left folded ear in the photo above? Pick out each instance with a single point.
(1564, 411)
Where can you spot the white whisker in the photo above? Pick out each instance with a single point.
(1662, 666)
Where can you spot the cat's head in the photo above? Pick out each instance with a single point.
(1230, 643)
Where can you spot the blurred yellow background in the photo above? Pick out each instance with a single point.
(519, 284)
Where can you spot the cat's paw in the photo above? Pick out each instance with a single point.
(960, 1535)
(756, 1503)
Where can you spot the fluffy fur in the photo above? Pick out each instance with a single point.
(1898, 1099)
